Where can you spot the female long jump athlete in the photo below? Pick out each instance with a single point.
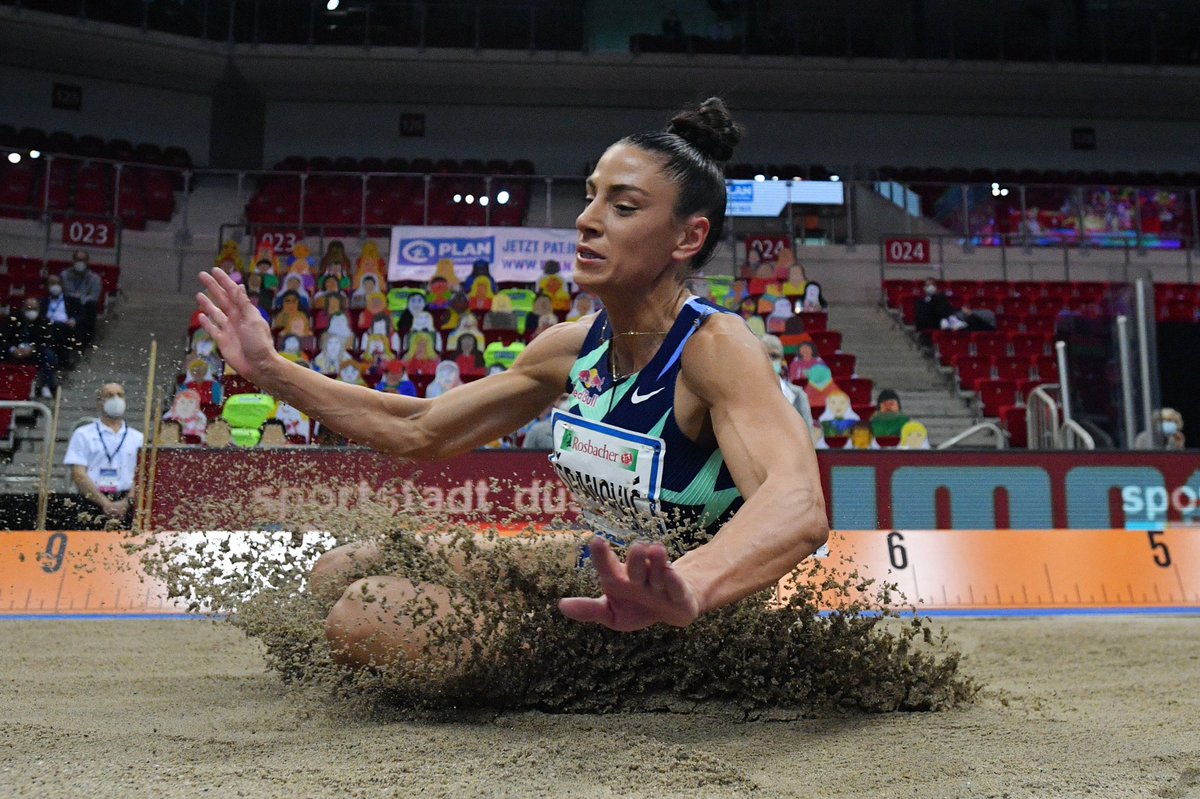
(675, 408)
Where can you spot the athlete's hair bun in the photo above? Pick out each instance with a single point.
(709, 128)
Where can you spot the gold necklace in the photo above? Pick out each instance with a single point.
(612, 349)
(612, 339)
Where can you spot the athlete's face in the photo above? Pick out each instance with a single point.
(628, 232)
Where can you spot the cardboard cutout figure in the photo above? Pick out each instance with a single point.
(339, 325)
(370, 284)
(468, 326)
(445, 377)
(738, 291)
(219, 434)
(273, 434)
(289, 348)
(206, 348)
(781, 312)
(445, 271)
(370, 262)
(301, 265)
(422, 354)
(423, 323)
(796, 281)
(501, 317)
(817, 434)
(186, 411)
(806, 358)
(350, 373)
(468, 354)
(820, 385)
(813, 299)
(839, 415)
(544, 323)
(376, 307)
(169, 433)
(914, 436)
(336, 263)
(377, 351)
(199, 378)
(480, 287)
(439, 294)
(294, 423)
(329, 286)
(381, 326)
(554, 287)
(230, 260)
(861, 437)
(395, 380)
(581, 307)
(332, 357)
(701, 288)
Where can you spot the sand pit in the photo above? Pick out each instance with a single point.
(1099, 706)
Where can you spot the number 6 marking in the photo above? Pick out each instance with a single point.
(897, 554)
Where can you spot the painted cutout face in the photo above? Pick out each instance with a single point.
(838, 404)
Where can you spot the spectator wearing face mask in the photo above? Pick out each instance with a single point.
(932, 308)
(1170, 429)
(61, 314)
(83, 288)
(103, 460)
(793, 394)
(29, 338)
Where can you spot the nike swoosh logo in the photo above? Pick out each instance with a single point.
(637, 398)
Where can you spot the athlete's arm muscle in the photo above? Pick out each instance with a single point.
(771, 459)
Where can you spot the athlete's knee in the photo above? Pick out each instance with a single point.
(354, 625)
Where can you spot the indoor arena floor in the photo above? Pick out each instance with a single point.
(1105, 706)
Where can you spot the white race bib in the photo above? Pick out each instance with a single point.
(615, 474)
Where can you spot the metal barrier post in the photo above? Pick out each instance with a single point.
(303, 187)
(362, 213)
(46, 190)
(1144, 361)
(1060, 348)
(1126, 380)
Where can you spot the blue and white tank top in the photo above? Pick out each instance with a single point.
(621, 452)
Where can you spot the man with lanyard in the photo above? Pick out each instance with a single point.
(103, 458)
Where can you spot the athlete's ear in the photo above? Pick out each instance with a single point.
(692, 236)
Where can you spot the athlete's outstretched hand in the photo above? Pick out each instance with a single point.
(644, 590)
(241, 334)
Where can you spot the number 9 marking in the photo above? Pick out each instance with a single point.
(56, 550)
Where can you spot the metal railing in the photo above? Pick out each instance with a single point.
(980, 427)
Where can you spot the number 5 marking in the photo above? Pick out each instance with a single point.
(1162, 555)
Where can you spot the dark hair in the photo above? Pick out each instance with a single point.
(694, 144)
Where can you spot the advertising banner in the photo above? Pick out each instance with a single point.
(863, 490)
(515, 253)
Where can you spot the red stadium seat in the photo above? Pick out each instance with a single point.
(995, 394)
(1012, 367)
(814, 320)
(827, 342)
(990, 344)
(1027, 345)
(971, 369)
(949, 346)
(1012, 419)
(841, 364)
(858, 389)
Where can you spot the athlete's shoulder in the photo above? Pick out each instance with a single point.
(556, 347)
(722, 353)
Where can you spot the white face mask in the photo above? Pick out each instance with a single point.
(1170, 428)
(55, 290)
(31, 316)
(930, 290)
(777, 363)
(80, 266)
(114, 407)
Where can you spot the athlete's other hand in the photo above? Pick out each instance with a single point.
(241, 333)
(644, 590)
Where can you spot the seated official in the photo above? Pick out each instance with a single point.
(103, 460)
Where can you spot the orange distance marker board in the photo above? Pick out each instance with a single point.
(951, 570)
(1039, 570)
(70, 572)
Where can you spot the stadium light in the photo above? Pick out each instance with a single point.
(1004, 192)
(502, 197)
(470, 198)
(35, 153)
(458, 198)
(483, 200)
(332, 5)
(760, 178)
(834, 178)
(14, 158)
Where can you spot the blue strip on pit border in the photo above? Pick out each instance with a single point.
(109, 617)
